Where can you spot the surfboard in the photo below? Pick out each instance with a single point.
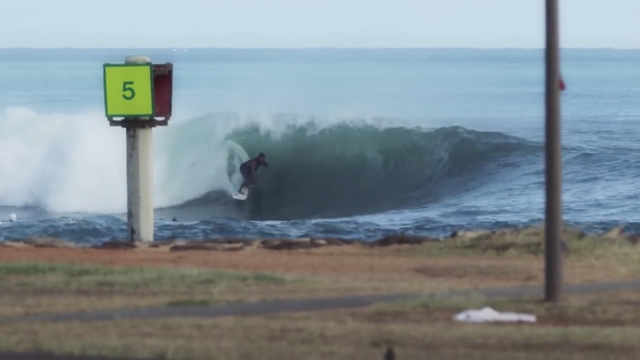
(236, 195)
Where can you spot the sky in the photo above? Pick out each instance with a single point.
(313, 23)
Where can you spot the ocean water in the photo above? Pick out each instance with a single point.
(361, 143)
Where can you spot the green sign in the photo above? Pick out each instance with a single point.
(128, 90)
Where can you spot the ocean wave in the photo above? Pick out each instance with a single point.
(349, 169)
(320, 168)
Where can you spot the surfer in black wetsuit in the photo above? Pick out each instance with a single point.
(248, 170)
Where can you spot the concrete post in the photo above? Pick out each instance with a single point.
(139, 177)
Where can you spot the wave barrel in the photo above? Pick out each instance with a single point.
(136, 93)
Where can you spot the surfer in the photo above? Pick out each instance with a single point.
(248, 170)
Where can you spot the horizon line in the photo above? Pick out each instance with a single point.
(309, 48)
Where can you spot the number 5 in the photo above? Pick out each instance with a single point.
(125, 88)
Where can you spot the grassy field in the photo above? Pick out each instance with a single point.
(591, 326)
(584, 327)
(29, 288)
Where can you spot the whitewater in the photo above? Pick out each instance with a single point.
(361, 143)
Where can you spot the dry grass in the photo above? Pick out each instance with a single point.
(583, 327)
(50, 283)
(528, 242)
(38, 288)
(598, 309)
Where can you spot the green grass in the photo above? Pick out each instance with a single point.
(197, 302)
(29, 288)
(64, 276)
(191, 302)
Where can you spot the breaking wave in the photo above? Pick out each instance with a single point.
(319, 168)
(343, 169)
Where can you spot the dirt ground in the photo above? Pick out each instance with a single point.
(397, 267)
(587, 327)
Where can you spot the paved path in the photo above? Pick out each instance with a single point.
(306, 305)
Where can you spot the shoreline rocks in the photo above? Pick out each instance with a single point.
(500, 240)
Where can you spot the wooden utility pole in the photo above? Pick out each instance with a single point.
(553, 214)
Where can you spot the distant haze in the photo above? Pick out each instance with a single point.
(313, 23)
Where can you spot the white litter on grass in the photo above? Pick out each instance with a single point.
(487, 314)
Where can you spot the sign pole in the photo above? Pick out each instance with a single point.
(139, 176)
(138, 91)
(553, 215)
